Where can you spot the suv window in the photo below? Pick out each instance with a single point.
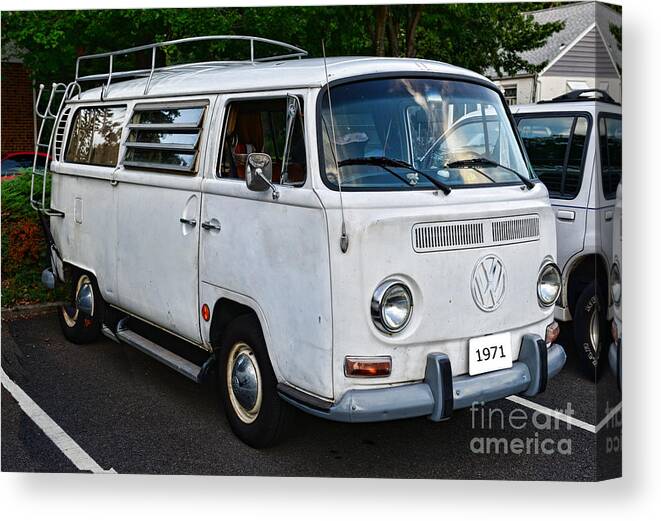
(556, 146)
(261, 126)
(95, 136)
(164, 138)
(610, 148)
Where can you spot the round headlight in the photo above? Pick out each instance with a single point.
(616, 284)
(391, 306)
(548, 284)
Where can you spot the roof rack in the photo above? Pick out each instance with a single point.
(580, 95)
(290, 51)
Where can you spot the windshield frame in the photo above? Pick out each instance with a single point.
(323, 93)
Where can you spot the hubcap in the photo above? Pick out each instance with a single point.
(83, 301)
(594, 332)
(244, 382)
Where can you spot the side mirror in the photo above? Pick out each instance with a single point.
(259, 172)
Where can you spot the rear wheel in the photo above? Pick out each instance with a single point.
(81, 317)
(590, 328)
(247, 385)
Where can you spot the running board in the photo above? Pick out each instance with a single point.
(172, 360)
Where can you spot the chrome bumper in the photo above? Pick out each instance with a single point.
(440, 393)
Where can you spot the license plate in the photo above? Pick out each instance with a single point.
(489, 353)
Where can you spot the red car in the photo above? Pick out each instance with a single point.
(13, 162)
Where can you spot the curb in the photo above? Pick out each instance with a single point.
(31, 307)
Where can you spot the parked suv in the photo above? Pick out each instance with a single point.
(361, 238)
(574, 143)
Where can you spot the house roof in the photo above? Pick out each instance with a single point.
(578, 18)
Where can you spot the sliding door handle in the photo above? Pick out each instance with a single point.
(189, 222)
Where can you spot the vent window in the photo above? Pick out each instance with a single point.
(164, 138)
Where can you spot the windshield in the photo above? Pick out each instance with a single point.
(453, 131)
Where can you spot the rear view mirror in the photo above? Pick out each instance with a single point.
(259, 172)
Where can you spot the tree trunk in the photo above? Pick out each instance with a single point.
(392, 26)
(381, 14)
(414, 19)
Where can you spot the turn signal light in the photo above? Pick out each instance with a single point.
(206, 313)
(367, 367)
(552, 333)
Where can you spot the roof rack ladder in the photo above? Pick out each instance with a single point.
(59, 93)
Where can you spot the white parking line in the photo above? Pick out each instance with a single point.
(565, 418)
(61, 439)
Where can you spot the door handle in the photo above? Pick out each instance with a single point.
(566, 215)
(189, 222)
(608, 216)
(210, 225)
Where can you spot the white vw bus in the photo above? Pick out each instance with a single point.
(360, 238)
(574, 143)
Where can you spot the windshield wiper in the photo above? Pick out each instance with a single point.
(484, 161)
(385, 162)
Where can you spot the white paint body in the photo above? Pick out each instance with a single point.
(282, 258)
(584, 224)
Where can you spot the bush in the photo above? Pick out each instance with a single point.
(24, 251)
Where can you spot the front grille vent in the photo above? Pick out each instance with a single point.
(459, 235)
(516, 229)
(447, 236)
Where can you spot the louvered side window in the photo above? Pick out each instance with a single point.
(164, 138)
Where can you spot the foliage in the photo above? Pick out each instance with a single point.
(476, 36)
(24, 253)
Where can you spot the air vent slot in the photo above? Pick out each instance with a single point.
(447, 236)
(58, 139)
(515, 229)
(460, 235)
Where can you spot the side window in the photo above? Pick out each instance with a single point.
(95, 136)
(164, 138)
(556, 147)
(610, 148)
(261, 126)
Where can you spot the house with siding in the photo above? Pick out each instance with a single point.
(584, 54)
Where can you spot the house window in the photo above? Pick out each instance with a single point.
(577, 85)
(95, 136)
(509, 91)
(164, 138)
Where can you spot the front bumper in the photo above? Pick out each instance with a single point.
(440, 393)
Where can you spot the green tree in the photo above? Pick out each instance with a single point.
(476, 36)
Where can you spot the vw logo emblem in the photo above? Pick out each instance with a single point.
(488, 283)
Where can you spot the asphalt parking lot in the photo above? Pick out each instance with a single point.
(120, 411)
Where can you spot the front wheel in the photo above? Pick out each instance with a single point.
(590, 328)
(81, 317)
(247, 384)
